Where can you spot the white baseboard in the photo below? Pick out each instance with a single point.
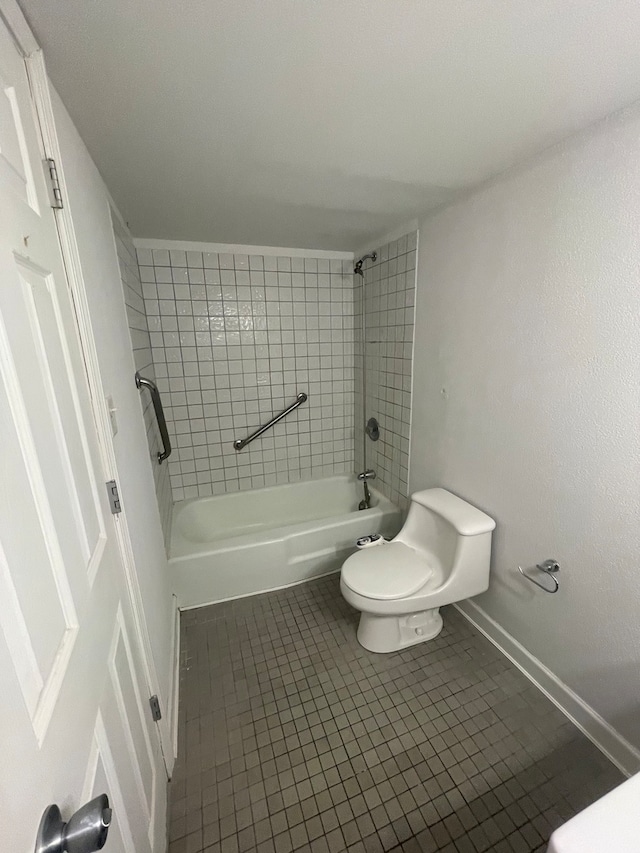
(175, 686)
(599, 732)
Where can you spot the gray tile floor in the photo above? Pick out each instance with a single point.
(293, 737)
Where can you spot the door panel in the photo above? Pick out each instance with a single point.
(133, 710)
(74, 710)
(102, 778)
(39, 610)
(15, 164)
(61, 395)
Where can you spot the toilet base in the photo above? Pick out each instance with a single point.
(391, 633)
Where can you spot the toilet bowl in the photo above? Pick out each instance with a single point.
(441, 555)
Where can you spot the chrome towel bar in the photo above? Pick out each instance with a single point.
(550, 568)
(141, 382)
(239, 443)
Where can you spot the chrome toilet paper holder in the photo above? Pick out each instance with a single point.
(550, 568)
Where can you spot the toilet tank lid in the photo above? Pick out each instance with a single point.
(466, 519)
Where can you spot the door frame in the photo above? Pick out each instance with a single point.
(26, 42)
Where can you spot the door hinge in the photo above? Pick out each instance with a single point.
(53, 184)
(156, 713)
(114, 497)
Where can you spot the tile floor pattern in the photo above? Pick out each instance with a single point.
(293, 737)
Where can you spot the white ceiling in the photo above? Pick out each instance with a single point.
(321, 123)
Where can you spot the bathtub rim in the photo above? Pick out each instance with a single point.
(269, 534)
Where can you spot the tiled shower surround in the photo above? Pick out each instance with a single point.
(141, 346)
(234, 339)
(390, 285)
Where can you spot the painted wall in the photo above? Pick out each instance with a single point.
(527, 399)
(389, 298)
(234, 338)
(141, 346)
(325, 121)
(89, 204)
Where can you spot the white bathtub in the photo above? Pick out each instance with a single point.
(248, 542)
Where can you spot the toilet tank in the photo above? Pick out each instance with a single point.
(451, 531)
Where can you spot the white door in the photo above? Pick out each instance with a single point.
(74, 715)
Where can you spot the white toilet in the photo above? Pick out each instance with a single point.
(441, 555)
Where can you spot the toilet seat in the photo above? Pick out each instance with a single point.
(441, 555)
(386, 572)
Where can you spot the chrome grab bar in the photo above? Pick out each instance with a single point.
(239, 443)
(141, 382)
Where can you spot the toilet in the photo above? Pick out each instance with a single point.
(441, 555)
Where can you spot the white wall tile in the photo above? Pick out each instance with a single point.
(234, 350)
(389, 301)
(140, 324)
